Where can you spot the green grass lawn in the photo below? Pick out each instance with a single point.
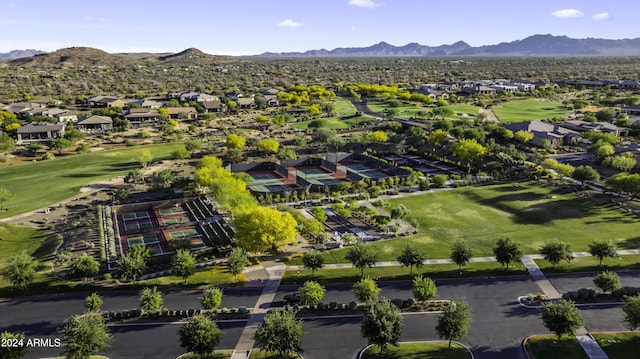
(15, 239)
(343, 107)
(258, 354)
(619, 345)
(591, 264)
(334, 122)
(525, 110)
(38, 184)
(415, 350)
(434, 271)
(526, 214)
(548, 347)
(411, 110)
(218, 354)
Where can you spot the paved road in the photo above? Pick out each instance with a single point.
(499, 323)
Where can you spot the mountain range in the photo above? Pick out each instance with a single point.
(536, 45)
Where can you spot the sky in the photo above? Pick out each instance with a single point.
(247, 27)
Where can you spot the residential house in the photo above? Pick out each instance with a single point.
(629, 85)
(95, 124)
(233, 95)
(186, 113)
(246, 102)
(214, 106)
(590, 84)
(105, 101)
(67, 116)
(22, 109)
(604, 127)
(631, 110)
(271, 91)
(41, 132)
(272, 100)
(141, 116)
(546, 134)
(46, 112)
(146, 103)
(505, 88)
(479, 90)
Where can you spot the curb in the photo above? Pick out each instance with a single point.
(361, 352)
(576, 304)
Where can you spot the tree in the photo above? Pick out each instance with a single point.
(262, 228)
(134, 263)
(5, 195)
(150, 300)
(280, 332)
(236, 141)
(268, 145)
(313, 260)
(237, 261)
(605, 150)
(7, 144)
(469, 151)
(144, 158)
(439, 180)
(59, 144)
(461, 253)
(20, 270)
(399, 211)
(320, 213)
(84, 266)
(603, 249)
(523, 136)
(382, 324)
(625, 182)
(606, 115)
(377, 136)
(454, 322)
(17, 351)
(85, 335)
(200, 335)
(361, 256)
(631, 309)
(211, 298)
(438, 138)
(507, 251)
(562, 318)
(412, 256)
(93, 302)
(366, 290)
(556, 251)
(180, 153)
(311, 293)
(586, 173)
(184, 264)
(424, 288)
(607, 281)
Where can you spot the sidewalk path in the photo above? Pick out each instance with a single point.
(590, 345)
(245, 343)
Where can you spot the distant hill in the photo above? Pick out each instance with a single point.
(88, 56)
(73, 56)
(17, 54)
(536, 45)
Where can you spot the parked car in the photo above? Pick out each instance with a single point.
(292, 298)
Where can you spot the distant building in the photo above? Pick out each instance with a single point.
(41, 132)
(95, 124)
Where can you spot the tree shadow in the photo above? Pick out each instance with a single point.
(631, 243)
(485, 352)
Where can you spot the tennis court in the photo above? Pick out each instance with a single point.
(191, 234)
(137, 224)
(269, 182)
(171, 211)
(135, 215)
(318, 176)
(365, 171)
(151, 241)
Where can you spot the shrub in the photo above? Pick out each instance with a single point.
(352, 305)
(333, 305)
(586, 293)
(397, 302)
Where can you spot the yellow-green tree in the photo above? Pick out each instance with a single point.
(438, 137)
(377, 136)
(236, 141)
(469, 151)
(268, 145)
(523, 136)
(261, 229)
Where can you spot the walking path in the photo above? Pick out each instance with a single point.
(246, 342)
(590, 345)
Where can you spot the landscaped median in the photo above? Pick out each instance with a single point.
(168, 315)
(618, 345)
(354, 308)
(433, 271)
(418, 350)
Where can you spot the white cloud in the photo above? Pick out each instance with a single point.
(289, 23)
(365, 3)
(564, 13)
(601, 16)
